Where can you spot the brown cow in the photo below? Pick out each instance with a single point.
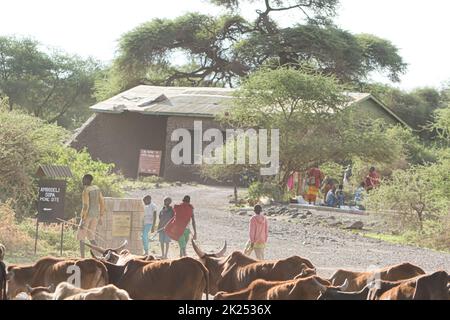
(117, 255)
(237, 271)
(299, 289)
(424, 287)
(3, 295)
(67, 291)
(49, 270)
(358, 280)
(180, 279)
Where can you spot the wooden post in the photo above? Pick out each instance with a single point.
(62, 239)
(36, 235)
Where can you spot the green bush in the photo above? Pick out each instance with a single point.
(416, 201)
(81, 163)
(27, 142)
(24, 142)
(266, 189)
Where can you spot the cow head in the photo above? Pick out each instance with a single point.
(214, 262)
(306, 272)
(17, 279)
(111, 255)
(330, 292)
(41, 293)
(335, 293)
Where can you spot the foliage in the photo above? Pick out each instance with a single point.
(268, 189)
(223, 50)
(49, 84)
(332, 170)
(10, 234)
(416, 108)
(314, 128)
(442, 124)
(81, 163)
(25, 143)
(419, 198)
(19, 238)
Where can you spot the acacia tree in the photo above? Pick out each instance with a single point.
(219, 51)
(314, 123)
(54, 86)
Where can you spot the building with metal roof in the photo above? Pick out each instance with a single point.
(144, 117)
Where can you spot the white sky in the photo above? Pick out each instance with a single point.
(91, 27)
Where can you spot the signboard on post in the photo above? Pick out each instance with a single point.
(149, 162)
(51, 200)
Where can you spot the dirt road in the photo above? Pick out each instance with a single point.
(328, 248)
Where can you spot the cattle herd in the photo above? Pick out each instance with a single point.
(116, 274)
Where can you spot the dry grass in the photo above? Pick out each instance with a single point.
(11, 235)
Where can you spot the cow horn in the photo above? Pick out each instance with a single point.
(321, 286)
(96, 248)
(344, 286)
(94, 256)
(121, 247)
(51, 288)
(29, 288)
(197, 250)
(108, 256)
(221, 253)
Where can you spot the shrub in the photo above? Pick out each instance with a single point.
(11, 235)
(417, 202)
(81, 163)
(266, 189)
(25, 143)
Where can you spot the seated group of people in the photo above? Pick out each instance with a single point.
(335, 197)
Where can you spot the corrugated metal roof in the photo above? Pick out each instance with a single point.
(189, 101)
(53, 171)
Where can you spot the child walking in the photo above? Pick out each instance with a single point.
(149, 221)
(259, 232)
(165, 216)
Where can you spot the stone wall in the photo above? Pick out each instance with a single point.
(123, 221)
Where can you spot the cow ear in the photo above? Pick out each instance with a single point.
(227, 271)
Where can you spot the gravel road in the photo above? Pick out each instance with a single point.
(328, 248)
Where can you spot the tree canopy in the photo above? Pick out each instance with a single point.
(315, 126)
(202, 50)
(417, 107)
(51, 85)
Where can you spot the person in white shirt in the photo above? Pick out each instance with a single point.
(150, 210)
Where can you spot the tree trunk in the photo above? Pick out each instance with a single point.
(235, 194)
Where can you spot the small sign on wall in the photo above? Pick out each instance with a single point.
(121, 224)
(149, 162)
